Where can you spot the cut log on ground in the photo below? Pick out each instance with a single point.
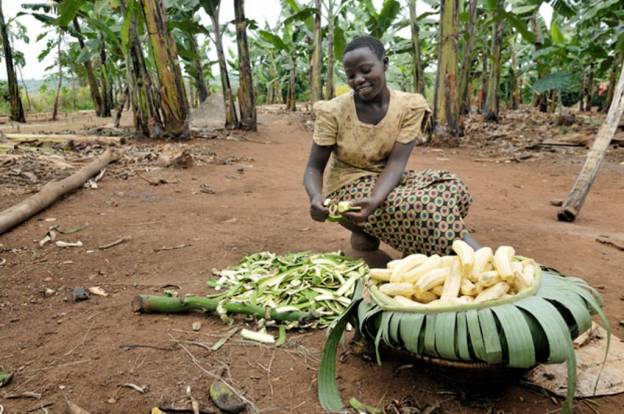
(52, 191)
(89, 139)
(573, 203)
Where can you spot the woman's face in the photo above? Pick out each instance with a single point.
(365, 72)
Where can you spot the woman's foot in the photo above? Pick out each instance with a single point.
(363, 242)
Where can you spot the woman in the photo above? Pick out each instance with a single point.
(369, 134)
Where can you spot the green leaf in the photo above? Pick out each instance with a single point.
(555, 81)
(573, 304)
(491, 336)
(524, 9)
(553, 325)
(276, 41)
(328, 393)
(301, 15)
(382, 331)
(68, 9)
(430, 334)
(445, 335)
(520, 346)
(476, 336)
(520, 25)
(564, 8)
(388, 13)
(340, 42)
(5, 378)
(555, 33)
(394, 328)
(125, 26)
(409, 331)
(463, 349)
(44, 18)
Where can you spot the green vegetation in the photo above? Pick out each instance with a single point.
(468, 55)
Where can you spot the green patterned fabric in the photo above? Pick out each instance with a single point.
(423, 214)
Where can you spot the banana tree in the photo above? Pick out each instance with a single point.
(15, 101)
(247, 102)
(316, 89)
(378, 22)
(445, 113)
(286, 45)
(173, 102)
(306, 22)
(185, 28)
(59, 77)
(417, 68)
(498, 27)
(212, 8)
(143, 95)
(47, 14)
(463, 102)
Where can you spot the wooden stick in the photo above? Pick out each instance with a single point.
(94, 139)
(573, 203)
(51, 192)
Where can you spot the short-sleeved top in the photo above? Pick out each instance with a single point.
(363, 149)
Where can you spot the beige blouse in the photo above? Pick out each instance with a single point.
(363, 149)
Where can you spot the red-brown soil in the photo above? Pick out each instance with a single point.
(75, 351)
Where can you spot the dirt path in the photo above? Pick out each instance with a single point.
(78, 351)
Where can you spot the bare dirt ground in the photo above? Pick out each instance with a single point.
(84, 351)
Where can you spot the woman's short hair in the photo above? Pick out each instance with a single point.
(367, 41)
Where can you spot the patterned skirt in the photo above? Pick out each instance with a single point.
(423, 214)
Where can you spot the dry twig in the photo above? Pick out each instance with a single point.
(214, 376)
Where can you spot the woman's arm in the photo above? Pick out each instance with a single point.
(313, 179)
(388, 179)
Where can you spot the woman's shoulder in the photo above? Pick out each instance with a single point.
(411, 100)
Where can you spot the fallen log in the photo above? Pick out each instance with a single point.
(92, 139)
(168, 304)
(52, 191)
(573, 203)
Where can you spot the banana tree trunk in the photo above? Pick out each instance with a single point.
(173, 101)
(466, 67)
(292, 83)
(330, 86)
(93, 86)
(105, 82)
(231, 120)
(589, 90)
(146, 117)
(60, 80)
(484, 81)
(200, 82)
(316, 93)
(28, 101)
(15, 102)
(514, 79)
(275, 83)
(124, 98)
(247, 100)
(541, 99)
(445, 115)
(417, 69)
(617, 64)
(492, 100)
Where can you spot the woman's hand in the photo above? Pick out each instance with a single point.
(318, 211)
(366, 205)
